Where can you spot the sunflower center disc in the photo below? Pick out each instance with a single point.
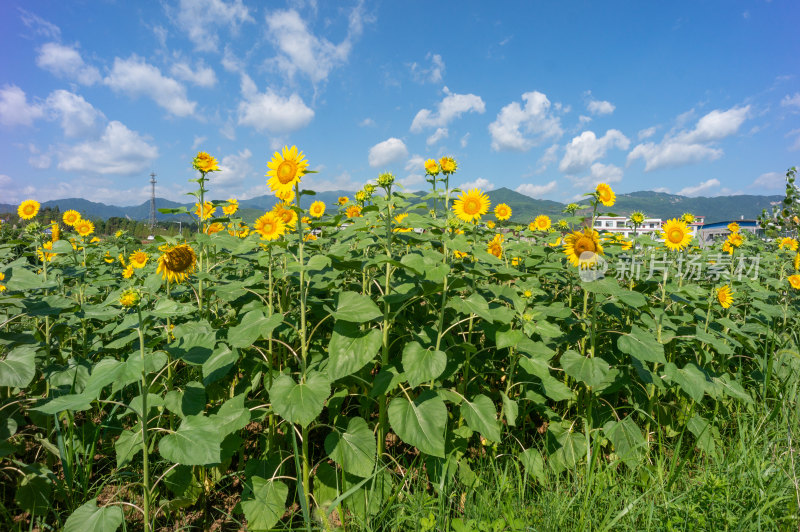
(286, 171)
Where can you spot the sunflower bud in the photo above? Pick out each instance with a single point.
(130, 298)
(385, 180)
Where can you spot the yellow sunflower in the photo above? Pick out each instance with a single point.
(542, 222)
(310, 237)
(735, 239)
(317, 209)
(605, 195)
(495, 248)
(2, 278)
(353, 211)
(688, 217)
(470, 206)
(490, 224)
(432, 167)
(502, 211)
(127, 273)
(287, 215)
(788, 242)
(205, 211)
(43, 254)
(676, 234)
(583, 247)
(216, 227)
(794, 280)
(285, 170)
(129, 298)
(270, 226)
(796, 262)
(71, 217)
(138, 259)
(205, 163)
(637, 218)
(733, 227)
(55, 232)
(448, 165)
(84, 227)
(177, 262)
(627, 245)
(241, 230)
(28, 209)
(725, 296)
(343, 200)
(231, 208)
(108, 258)
(727, 247)
(286, 195)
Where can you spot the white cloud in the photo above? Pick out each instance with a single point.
(200, 75)
(38, 159)
(439, 134)
(412, 182)
(769, 181)
(433, 74)
(549, 156)
(690, 146)
(14, 107)
(78, 117)
(302, 51)
(520, 128)
(451, 107)
(796, 134)
(135, 77)
(480, 183)
(388, 151)
(646, 133)
(537, 191)
(598, 107)
(699, 188)
(367, 122)
(272, 112)
(791, 101)
(198, 141)
(599, 173)
(234, 169)
(118, 151)
(39, 25)
(415, 164)
(343, 181)
(200, 19)
(66, 62)
(586, 148)
(464, 140)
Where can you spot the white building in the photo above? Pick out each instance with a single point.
(623, 225)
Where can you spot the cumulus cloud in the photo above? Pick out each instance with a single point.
(415, 164)
(586, 148)
(646, 133)
(791, 100)
(599, 173)
(686, 146)
(434, 73)
(700, 188)
(451, 107)
(15, 109)
(537, 191)
(769, 181)
(480, 183)
(234, 169)
(135, 77)
(520, 128)
(118, 151)
(464, 140)
(388, 151)
(66, 62)
(200, 75)
(269, 111)
(598, 107)
(78, 117)
(201, 19)
(439, 134)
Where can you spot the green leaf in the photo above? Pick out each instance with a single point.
(264, 506)
(422, 365)
(481, 416)
(90, 518)
(532, 460)
(300, 403)
(642, 346)
(420, 423)
(232, 415)
(34, 490)
(572, 448)
(629, 443)
(510, 409)
(76, 402)
(356, 308)
(354, 449)
(104, 373)
(350, 349)
(219, 363)
(196, 442)
(128, 445)
(594, 372)
(254, 325)
(691, 379)
(703, 432)
(166, 308)
(18, 367)
(187, 402)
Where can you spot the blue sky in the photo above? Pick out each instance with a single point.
(546, 98)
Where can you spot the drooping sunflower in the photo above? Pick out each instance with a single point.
(676, 234)
(205, 211)
(688, 218)
(542, 222)
(343, 200)
(287, 215)
(71, 217)
(285, 170)
(471, 205)
(176, 263)
(84, 227)
(605, 195)
(637, 218)
(432, 167)
(733, 227)
(317, 209)
(353, 211)
(583, 247)
(286, 195)
(448, 165)
(794, 280)
(270, 226)
(138, 259)
(502, 211)
(231, 208)
(205, 163)
(28, 209)
(725, 296)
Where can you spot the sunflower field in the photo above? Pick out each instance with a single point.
(362, 365)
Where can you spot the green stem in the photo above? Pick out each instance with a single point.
(143, 389)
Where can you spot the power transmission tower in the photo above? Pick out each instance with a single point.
(152, 200)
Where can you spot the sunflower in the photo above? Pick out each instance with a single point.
(343, 200)
(108, 258)
(286, 170)
(28, 209)
(84, 227)
(270, 226)
(733, 227)
(578, 243)
(502, 211)
(361, 196)
(241, 230)
(216, 227)
(432, 167)
(71, 217)
(129, 298)
(205, 163)
(515, 261)
(470, 206)
(794, 280)
(317, 209)
(789, 243)
(725, 296)
(490, 224)
(542, 222)
(176, 262)
(495, 248)
(728, 248)
(676, 234)
(460, 254)
(448, 165)
(353, 211)
(605, 195)
(637, 218)
(285, 195)
(119, 233)
(288, 216)
(127, 273)
(231, 208)
(55, 232)
(205, 211)
(688, 218)
(305, 220)
(2, 278)
(627, 245)
(43, 254)
(796, 262)
(138, 259)
(310, 237)
(735, 239)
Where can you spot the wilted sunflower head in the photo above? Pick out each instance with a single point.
(177, 262)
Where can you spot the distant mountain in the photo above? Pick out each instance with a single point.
(524, 208)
